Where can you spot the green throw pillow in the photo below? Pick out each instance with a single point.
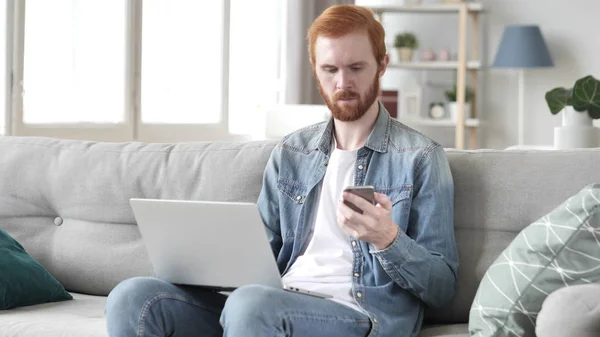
(23, 281)
(560, 249)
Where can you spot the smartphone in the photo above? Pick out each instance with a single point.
(306, 292)
(366, 192)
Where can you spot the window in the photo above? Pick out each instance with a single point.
(74, 64)
(254, 62)
(182, 43)
(153, 70)
(69, 73)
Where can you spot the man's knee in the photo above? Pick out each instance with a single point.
(132, 294)
(252, 303)
(570, 311)
(127, 299)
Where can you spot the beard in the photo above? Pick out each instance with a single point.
(350, 112)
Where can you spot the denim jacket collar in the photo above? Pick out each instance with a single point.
(377, 141)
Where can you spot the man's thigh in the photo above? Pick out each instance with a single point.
(145, 306)
(265, 311)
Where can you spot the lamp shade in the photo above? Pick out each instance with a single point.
(522, 46)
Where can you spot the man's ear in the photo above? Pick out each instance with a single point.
(384, 64)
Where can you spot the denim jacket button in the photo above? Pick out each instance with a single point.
(374, 320)
(359, 294)
(299, 198)
(360, 167)
(356, 274)
(353, 243)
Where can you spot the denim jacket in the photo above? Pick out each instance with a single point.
(419, 268)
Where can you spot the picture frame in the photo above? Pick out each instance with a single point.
(391, 99)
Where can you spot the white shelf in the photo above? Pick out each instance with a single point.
(427, 8)
(470, 122)
(434, 65)
(461, 10)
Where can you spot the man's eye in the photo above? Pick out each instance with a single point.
(331, 70)
(356, 68)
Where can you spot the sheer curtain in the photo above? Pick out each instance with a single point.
(300, 87)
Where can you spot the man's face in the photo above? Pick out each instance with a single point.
(348, 74)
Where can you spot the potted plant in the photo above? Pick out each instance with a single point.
(405, 45)
(579, 105)
(452, 105)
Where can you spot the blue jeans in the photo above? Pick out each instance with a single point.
(150, 307)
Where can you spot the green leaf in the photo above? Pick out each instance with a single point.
(586, 94)
(594, 113)
(558, 99)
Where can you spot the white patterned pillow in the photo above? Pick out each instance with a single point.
(560, 249)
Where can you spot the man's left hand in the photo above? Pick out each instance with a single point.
(375, 225)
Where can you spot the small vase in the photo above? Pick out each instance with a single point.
(577, 130)
(404, 54)
(444, 55)
(453, 109)
(427, 55)
(572, 117)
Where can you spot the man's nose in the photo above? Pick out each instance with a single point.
(344, 80)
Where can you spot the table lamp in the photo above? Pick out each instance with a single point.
(522, 46)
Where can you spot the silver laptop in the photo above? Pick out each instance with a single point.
(218, 245)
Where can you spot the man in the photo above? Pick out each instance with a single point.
(382, 267)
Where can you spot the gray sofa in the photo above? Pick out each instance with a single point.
(67, 202)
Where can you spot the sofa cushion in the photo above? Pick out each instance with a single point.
(496, 195)
(23, 281)
(560, 249)
(83, 317)
(67, 201)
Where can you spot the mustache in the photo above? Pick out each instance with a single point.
(345, 94)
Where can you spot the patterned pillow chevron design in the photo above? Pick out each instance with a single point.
(560, 249)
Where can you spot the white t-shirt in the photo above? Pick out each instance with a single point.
(326, 265)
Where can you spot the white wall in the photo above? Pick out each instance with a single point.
(569, 28)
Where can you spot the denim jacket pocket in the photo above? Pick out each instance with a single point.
(294, 190)
(401, 198)
(397, 194)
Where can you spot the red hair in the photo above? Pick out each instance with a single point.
(337, 21)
